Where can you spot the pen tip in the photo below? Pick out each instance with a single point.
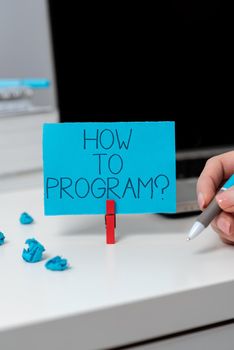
(188, 239)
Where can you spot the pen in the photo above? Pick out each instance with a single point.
(213, 209)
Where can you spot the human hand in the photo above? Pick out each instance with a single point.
(216, 171)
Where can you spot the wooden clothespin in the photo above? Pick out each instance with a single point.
(110, 220)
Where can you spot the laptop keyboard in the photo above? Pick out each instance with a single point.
(188, 168)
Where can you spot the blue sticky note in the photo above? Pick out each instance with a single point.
(33, 83)
(132, 163)
(57, 264)
(34, 251)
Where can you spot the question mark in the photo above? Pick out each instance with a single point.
(167, 183)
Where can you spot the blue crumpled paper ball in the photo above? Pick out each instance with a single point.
(57, 264)
(25, 219)
(34, 252)
(2, 238)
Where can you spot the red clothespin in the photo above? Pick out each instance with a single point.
(110, 220)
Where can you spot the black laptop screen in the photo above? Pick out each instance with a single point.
(171, 62)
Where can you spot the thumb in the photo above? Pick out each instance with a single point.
(226, 200)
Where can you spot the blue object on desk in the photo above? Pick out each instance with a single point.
(229, 183)
(2, 238)
(57, 264)
(26, 219)
(34, 252)
(30, 83)
(132, 163)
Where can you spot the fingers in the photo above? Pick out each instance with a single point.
(223, 224)
(215, 172)
(226, 200)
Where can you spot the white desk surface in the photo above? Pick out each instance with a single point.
(152, 282)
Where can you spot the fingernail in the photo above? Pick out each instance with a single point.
(201, 200)
(220, 197)
(224, 226)
(225, 199)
